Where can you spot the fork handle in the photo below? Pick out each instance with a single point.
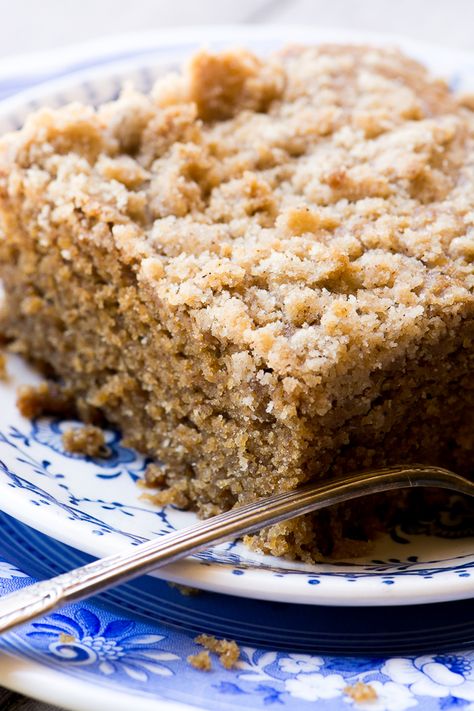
(41, 598)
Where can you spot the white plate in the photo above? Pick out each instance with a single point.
(95, 505)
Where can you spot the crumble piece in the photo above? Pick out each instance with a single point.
(185, 590)
(67, 638)
(3, 367)
(361, 693)
(201, 660)
(262, 272)
(174, 489)
(88, 440)
(47, 398)
(223, 84)
(228, 650)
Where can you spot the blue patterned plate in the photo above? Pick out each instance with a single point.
(117, 651)
(325, 629)
(95, 505)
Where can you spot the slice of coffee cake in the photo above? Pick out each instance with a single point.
(262, 272)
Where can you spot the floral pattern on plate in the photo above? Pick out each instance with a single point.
(98, 646)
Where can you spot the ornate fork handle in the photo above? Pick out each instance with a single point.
(44, 597)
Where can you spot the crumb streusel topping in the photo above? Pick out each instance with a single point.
(307, 209)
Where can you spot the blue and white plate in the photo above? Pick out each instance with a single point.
(95, 505)
(118, 651)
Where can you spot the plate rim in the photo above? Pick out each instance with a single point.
(223, 580)
(192, 572)
(107, 47)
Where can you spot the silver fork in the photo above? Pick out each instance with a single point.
(41, 598)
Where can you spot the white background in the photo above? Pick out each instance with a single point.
(30, 25)
(27, 25)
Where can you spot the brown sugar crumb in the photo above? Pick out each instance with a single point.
(226, 83)
(201, 661)
(47, 398)
(228, 650)
(361, 693)
(88, 440)
(3, 367)
(185, 590)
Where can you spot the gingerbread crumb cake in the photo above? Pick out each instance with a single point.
(262, 272)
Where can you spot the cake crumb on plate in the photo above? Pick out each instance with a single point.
(65, 638)
(87, 439)
(361, 693)
(185, 590)
(201, 660)
(228, 650)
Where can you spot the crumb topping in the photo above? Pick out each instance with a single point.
(305, 211)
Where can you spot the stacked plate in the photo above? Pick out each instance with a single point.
(394, 618)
